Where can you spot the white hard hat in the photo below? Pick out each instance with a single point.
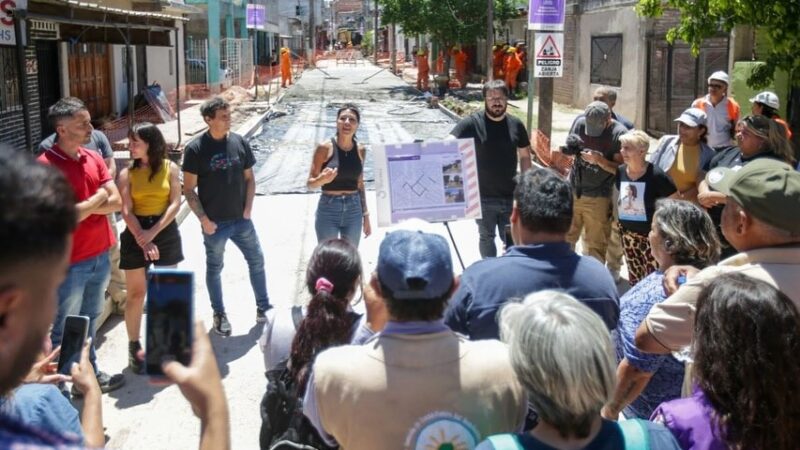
(719, 76)
(767, 98)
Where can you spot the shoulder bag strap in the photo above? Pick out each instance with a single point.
(635, 433)
(297, 316)
(505, 442)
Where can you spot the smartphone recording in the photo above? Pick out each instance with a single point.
(76, 329)
(170, 312)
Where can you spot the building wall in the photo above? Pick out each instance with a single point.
(119, 87)
(607, 21)
(564, 87)
(161, 64)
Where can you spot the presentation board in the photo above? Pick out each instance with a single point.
(436, 181)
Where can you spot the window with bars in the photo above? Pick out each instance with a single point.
(607, 60)
(9, 82)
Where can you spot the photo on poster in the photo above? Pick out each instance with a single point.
(631, 201)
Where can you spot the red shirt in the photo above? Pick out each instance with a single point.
(86, 174)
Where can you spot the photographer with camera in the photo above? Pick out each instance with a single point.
(595, 144)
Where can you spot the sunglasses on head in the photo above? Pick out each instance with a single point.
(759, 123)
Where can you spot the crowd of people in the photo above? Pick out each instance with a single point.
(532, 349)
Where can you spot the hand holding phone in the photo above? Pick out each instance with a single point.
(83, 375)
(76, 329)
(170, 307)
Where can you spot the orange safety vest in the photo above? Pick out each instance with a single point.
(785, 125)
(733, 107)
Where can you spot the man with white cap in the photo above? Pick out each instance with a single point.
(592, 178)
(767, 104)
(722, 111)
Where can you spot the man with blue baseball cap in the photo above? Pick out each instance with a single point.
(416, 376)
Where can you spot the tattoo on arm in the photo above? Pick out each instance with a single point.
(194, 203)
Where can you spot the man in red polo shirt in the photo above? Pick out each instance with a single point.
(83, 290)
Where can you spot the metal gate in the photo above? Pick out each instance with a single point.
(49, 87)
(675, 78)
(237, 60)
(196, 61)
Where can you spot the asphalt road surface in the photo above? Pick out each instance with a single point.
(143, 416)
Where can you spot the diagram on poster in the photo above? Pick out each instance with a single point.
(434, 181)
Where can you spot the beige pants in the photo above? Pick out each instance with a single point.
(592, 217)
(116, 287)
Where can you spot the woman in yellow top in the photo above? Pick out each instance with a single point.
(151, 195)
(685, 156)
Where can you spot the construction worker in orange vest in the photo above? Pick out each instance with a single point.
(767, 104)
(440, 63)
(512, 67)
(423, 69)
(497, 61)
(286, 67)
(460, 57)
(722, 111)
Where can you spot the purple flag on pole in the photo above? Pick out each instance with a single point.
(546, 15)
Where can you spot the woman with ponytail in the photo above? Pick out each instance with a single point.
(299, 333)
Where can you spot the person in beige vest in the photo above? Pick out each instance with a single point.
(761, 220)
(417, 384)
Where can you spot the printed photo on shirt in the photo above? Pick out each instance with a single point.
(631, 202)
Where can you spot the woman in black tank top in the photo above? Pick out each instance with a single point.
(338, 168)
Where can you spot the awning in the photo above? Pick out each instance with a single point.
(90, 22)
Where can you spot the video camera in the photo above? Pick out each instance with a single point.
(574, 145)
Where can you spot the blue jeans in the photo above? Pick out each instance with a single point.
(243, 234)
(496, 214)
(339, 216)
(82, 294)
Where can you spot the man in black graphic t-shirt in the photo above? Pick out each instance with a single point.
(220, 164)
(500, 141)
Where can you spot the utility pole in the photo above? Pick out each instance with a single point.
(489, 38)
(393, 48)
(375, 35)
(312, 32)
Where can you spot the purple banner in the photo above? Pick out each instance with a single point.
(546, 15)
(256, 16)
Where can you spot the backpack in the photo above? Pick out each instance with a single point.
(634, 431)
(283, 425)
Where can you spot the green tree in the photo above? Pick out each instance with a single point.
(448, 22)
(701, 19)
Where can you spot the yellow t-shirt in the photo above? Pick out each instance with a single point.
(686, 167)
(150, 197)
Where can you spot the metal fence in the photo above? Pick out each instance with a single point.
(236, 58)
(196, 61)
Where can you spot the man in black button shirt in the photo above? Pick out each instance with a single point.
(501, 142)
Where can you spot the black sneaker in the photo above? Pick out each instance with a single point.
(134, 363)
(107, 383)
(221, 324)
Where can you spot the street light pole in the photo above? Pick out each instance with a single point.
(375, 35)
(489, 38)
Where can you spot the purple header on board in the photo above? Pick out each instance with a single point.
(546, 15)
(256, 16)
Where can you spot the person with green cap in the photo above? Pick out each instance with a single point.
(761, 220)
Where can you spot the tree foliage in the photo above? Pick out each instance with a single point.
(701, 19)
(448, 22)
